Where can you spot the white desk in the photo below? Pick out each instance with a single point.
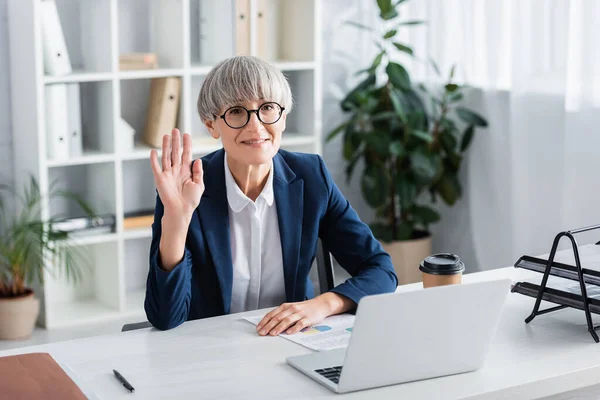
(224, 358)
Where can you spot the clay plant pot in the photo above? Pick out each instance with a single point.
(406, 257)
(18, 316)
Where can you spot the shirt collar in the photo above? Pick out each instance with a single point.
(236, 198)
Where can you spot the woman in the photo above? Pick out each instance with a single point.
(238, 229)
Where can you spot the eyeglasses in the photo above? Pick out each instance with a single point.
(237, 117)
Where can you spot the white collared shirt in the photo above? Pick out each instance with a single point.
(255, 247)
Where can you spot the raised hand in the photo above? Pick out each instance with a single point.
(180, 186)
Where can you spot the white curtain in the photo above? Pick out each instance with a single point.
(534, 171)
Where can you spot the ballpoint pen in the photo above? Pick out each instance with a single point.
(122, 379)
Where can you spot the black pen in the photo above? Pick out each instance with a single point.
(122, 379)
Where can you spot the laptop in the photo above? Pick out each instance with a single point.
(408, 336)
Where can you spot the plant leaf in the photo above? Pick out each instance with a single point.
(403, 48)
(390, 33)
(398, 76)
(449, 188)
(467, 138)
(435, 67)
(377, 61)
(397, 104)
(451, 87)
(387, 10)
(424, 167)
(425, 215)
(454, 97)
(381, 232)
(353, 98)
(336, 131)
(425, 136)
(411, 22)
(360, 26)
(407, 192)
(397, 148)
(471, 117)
(404, 231)
(374, 185)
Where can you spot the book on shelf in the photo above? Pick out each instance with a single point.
(56, 56)
(127, 135)
(138, 219)
(138, 61)
(163, 109)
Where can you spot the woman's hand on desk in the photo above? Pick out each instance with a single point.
(293, 317)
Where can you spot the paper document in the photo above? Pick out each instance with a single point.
(332, 333)
(567, 285)
(589, 255)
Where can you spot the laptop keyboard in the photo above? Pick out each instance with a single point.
(333, 373)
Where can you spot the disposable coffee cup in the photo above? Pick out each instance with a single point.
(441, 269)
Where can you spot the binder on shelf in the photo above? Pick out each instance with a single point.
(56, 56)
(242, 27)
(577, 296)
(86, 226)
(57, 121)
(267, 37)
(216, 43)
(74, 110)
(163, 107)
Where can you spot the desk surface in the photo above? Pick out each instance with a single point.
(224, 358)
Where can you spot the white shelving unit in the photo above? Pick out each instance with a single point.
(183, 33)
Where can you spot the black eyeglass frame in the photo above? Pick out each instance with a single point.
(249, 112)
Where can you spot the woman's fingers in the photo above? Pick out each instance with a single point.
(287, 322)
(155, 164)
(187, 150)
(166, 152)
(197, 171)
(276, 320)
(301, 324)
(176, 148)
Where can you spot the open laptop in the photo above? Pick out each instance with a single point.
(408, 336)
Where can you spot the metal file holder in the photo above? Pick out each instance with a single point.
(580, 277)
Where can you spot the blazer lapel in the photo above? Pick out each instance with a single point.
(289, 199)
(214, 217)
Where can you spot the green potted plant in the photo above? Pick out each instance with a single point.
(28, 246)
(409, 150)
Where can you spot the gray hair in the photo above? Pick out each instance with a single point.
(240, 79)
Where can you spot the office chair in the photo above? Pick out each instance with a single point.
(320, 274)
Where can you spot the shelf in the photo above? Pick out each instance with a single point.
(93, 239)
(294, 139)
(140, 233)
(79, 76)
(150, 73)
(200, 70)
(91, 311)
(201, 146)
(294, 65)
(88, 157)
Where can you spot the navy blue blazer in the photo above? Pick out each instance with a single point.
(309, 206)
